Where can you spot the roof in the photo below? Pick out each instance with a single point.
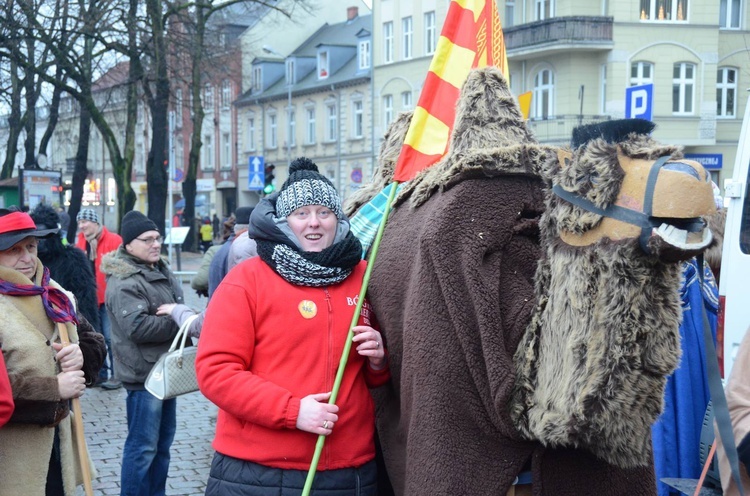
(116, 76)
(343, 34)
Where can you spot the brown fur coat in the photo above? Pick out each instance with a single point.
(453, 290)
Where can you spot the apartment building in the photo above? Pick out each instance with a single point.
(578, 58)
(313, 100)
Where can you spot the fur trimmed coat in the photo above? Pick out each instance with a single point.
(26, 441)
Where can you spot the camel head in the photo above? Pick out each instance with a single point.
(616, 183)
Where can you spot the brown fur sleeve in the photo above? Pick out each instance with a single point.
(93, 348)
(37, 400)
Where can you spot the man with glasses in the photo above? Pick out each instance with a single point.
(96, 241)
(139, 281)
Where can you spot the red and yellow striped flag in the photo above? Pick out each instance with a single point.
(471, 37)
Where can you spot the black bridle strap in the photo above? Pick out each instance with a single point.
(643, 219)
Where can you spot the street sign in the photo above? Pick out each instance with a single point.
(179, 175)
(256, 173)
(639, 102)
(710, 161)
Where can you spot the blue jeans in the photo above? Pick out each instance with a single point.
(107, 371)
(145, 457)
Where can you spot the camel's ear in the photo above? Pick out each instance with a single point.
(564, 157)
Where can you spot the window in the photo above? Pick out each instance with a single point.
(251, 134)
(226, 94)
(332, 122)
(273, 137)
(387, 110)
(292, 127)
(310, 133)
(290, 79)
(364, 54)
(406, 100)
(178, 107)
(430, 34)
(641, 73)
(543, 9)
(190, 101)
(257, 78)
(226, 152)
(683, 84)
(322, 65)
(664, 10)
(726, 92)
(387, 42)
(729, 14)
(179, 153)
(543, 96)
(510, 12)
(357, 119)
(208, 156)
(208, 98)
(407, 30)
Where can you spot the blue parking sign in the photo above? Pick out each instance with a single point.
(639, 102)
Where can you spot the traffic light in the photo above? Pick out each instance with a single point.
(268, 188)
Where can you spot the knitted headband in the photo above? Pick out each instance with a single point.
(306, 186)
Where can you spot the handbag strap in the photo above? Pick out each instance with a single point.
(181, 336)
(718, 399)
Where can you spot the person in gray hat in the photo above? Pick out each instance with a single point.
(96, 240)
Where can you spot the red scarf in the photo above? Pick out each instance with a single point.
(56, 303)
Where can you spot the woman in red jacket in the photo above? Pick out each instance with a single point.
(270, 347)
(6, 395)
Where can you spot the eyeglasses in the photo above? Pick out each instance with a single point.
(152, 241)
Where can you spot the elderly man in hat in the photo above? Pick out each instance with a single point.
(139, 283)
(37, 453)
(96, 240)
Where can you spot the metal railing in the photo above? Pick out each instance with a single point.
(559, 30)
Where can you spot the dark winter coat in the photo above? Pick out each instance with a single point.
(135, 290)
(233, 477)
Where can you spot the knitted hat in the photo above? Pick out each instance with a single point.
(134, 224)
(242, 215)
(306, 186)
(87, 214)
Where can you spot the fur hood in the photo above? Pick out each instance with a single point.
(490, 138)
(121, 264)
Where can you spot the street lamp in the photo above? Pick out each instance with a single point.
(269, 49)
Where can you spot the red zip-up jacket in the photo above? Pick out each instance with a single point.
(265, 344)
(6, 394)
(108, 242)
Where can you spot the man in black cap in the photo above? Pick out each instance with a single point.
(139, 282)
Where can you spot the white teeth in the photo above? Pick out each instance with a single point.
(679, 237)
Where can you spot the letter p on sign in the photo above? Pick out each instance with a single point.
(639, 102)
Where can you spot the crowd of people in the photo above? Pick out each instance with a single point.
(282, 282)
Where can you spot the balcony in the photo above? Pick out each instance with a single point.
(544, 38)
(558, 130)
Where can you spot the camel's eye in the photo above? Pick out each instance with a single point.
(680, 167)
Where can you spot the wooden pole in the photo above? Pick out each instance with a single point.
(83, 456)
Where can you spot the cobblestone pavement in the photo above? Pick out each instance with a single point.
(105, 426)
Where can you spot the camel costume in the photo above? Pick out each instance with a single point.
(454, 287)
(26, 441)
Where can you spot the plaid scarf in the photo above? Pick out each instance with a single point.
(58, 306)
(93, 243)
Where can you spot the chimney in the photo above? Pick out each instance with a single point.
(352, 13)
